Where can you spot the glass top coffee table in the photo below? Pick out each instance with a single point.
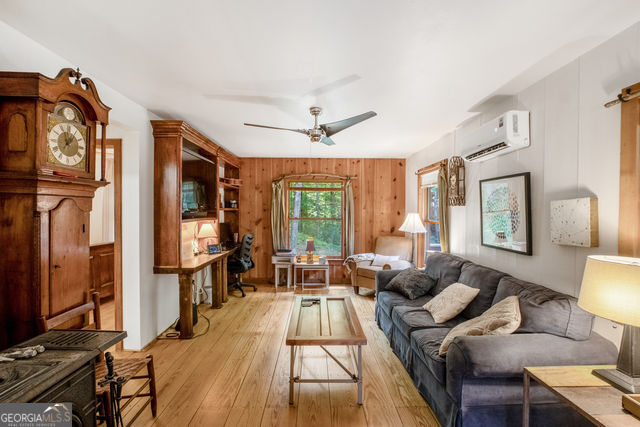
(326, 321)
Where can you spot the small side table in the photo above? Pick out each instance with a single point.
(282, 262)
(595, 399)
(316, 266)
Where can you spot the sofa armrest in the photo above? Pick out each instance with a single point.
(491, 356)
(353, 264)
(397, 265)
(383, 277)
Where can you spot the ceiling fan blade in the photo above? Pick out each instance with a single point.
(333, 85)
(327, 141)
(303, 131)
(286, 105)
(335, 127)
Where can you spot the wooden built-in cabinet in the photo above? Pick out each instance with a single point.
(183, 154)
(229, 194)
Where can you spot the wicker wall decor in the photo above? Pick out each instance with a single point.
(456, 181)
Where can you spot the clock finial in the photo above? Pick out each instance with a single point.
(77, 74)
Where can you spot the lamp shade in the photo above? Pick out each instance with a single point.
(413, 224)
(310, 245)
(207, 231)
(611, 288)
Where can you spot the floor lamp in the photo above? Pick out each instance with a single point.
(413, 224)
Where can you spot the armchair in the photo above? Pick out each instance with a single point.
(363, 273)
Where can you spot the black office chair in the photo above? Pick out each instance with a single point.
(241, 262)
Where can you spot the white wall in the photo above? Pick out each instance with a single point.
(574, 152)
(150, 302)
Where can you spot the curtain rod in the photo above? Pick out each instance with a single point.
(628, 96)
(432, 167)
(316, 174)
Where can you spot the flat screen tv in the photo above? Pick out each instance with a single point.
(194, 199)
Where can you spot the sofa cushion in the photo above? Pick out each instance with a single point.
(545, 310)
(480, 277)
(451, 301)
(387, 300)
(445, 268)
(425, 344)
(500, 319)
(411, 283)
(368, 271)
(408, 319)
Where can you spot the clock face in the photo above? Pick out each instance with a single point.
(67, 137)
(67, 144)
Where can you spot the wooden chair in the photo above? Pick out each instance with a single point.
(127, 368)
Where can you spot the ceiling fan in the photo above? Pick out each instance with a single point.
(321, 133)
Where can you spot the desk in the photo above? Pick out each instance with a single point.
(185, 274)
(576, 386)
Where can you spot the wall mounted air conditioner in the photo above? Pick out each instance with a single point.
(504, 134)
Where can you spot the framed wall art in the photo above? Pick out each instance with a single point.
(505, 213)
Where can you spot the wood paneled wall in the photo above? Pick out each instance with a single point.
(379, 200)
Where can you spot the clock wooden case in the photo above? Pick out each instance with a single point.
(48, 137)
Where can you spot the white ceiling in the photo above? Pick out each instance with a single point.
(421, 65)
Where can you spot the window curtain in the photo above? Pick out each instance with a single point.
(348, 218)
(443, 208)
(278, 215)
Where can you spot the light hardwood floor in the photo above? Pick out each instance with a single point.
(237, 374)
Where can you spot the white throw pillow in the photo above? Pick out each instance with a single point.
(381, 260)
(450, 302)
(501, 319)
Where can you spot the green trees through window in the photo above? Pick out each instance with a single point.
(315, 210)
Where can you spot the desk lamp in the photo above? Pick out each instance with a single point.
(207, 232)
(611, 289)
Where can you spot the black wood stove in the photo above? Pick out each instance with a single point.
(64, 372)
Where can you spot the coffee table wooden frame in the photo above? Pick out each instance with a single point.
(330, 321)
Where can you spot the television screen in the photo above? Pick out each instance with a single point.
(194, 198)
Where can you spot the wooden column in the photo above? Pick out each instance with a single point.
(216, 287)
(629, 215)
(186, 309)
(103, 150)
(224, 290)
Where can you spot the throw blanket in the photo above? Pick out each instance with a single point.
(357, 258)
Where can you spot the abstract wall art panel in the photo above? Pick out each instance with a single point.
(574, 222)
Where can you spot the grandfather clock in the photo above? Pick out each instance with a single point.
(48, 142)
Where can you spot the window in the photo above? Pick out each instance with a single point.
(431, 220)
(315, 210)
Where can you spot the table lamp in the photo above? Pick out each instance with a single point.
(413, 224)
(207, 232)
(611, 289)
(310, 248)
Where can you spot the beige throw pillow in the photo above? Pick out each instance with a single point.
(501, 319)
(450, 302)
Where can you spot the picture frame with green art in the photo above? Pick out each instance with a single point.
(505, 213)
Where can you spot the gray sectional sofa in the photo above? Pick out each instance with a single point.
(479, 381)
